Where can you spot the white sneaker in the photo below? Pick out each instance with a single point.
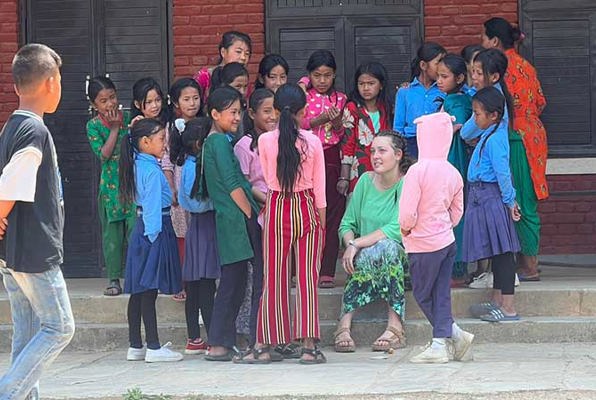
(516, 284)
(462, 341)
(135, 354)
(163, 354)
(432, 355)
(482, 281)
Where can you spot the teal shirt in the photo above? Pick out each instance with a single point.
(370, 209)
(223, 176)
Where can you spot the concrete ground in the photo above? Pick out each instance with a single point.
(503, 371)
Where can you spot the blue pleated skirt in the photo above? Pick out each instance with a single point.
(153, 265)
(201, 259)
(488, 227)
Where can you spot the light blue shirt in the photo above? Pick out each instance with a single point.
(187, 180)
(471, 131)
(469, 90)
(152, 193)
(413, 102)
(492, 165)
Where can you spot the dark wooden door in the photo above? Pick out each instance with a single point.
(128, 40)
(356, 31)
(560, 44)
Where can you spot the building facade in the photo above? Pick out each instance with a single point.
(167, 39)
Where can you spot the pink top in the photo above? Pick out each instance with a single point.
(316, 103)
(312, 174)
(432, 203)
(203, 78)
(250, 164)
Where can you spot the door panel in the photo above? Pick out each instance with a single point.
(130, 44)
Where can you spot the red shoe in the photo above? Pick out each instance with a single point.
(195, 346)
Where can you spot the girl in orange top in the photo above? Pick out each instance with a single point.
(529, 169)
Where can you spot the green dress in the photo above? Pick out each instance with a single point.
(459, 105)
(379, 269)
(116, 218)
(528, 227)
(222, 175)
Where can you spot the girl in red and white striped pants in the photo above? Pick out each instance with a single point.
(294, 221)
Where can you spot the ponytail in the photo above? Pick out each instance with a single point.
(289, 100)
(128, 149)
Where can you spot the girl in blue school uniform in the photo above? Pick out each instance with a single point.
(201, 265)
(421, 97)
(152, 261)
(489, 231)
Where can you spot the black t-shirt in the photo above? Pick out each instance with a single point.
(33, 239)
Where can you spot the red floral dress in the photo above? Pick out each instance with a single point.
(528, 103)
(359, 134)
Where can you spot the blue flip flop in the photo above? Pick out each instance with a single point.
(480, 309)
(497, 315)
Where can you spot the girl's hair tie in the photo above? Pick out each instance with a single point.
(286, 108)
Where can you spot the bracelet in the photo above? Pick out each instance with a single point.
(342, 179)
(352, 243)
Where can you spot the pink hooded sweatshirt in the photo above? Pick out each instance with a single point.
(432, 198)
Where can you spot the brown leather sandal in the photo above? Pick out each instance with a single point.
(350, 347)
(397, 341)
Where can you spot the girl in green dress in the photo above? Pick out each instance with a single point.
(451, 78)
(374, 258)
(105, 133)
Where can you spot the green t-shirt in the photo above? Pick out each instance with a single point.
(375, 119)
(370, 209)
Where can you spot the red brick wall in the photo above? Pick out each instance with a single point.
(199, 24)
(9, 37)
(569, 216)
(457, 23)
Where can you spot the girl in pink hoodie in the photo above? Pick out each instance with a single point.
(432, 205)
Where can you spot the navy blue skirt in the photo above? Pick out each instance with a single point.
(488, 226)
(153, 265)
(201, 259)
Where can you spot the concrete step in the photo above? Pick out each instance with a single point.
(532, 300)
(105, 337)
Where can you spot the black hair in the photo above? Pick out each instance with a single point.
(492, 101)
(33, 63)
(398, 143)
(386, 95)
(269, 62)
(176, 91)
(195, 132)
(174, 94)
(503, 30)
(495, 62)
(427, 52)
(322, 58)
(256, 99)
(96, 85)
(469, 51)
(457, 65)
(128, 148)
(220, 100)
(228, 39)
(140, 90)
(289, 100)
(225, 75)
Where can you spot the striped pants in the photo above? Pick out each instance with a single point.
(291, 223)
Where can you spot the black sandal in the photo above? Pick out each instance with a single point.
(114, 289)
(256, 356)
(319, 357)
(288, 351)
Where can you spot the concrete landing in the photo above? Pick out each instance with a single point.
(499, 371)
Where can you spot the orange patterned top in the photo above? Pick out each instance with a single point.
(528, 103)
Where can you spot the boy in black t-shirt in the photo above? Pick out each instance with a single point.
(31, 224)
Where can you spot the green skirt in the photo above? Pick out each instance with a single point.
(460, 159)
(528, 227)
(378, 275)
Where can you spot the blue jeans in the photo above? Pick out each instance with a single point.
(43, 326)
